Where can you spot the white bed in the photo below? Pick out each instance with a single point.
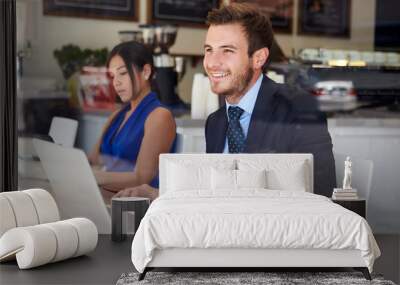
(245, 210)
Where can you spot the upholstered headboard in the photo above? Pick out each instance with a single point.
(282, 165)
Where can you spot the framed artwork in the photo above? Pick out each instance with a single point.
(180, 12)
(280, 13)
(325, 18)
(100, 9)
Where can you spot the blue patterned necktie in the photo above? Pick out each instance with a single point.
(235, 133)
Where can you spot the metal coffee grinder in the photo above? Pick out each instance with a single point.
(169, 69)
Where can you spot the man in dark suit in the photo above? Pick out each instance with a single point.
(259, 116)
(276, 126)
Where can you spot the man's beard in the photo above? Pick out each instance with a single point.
(240, 83)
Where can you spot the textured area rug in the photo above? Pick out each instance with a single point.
(230, 278)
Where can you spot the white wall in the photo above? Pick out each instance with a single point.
(51, 32)
(48, 33)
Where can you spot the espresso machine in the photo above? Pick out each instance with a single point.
(169, 69)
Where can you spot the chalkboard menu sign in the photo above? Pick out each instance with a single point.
(181, 12)
(325, 18)
(104, 9)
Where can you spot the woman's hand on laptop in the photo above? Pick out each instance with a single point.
(143, 190)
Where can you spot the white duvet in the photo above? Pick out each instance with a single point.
(250, 219)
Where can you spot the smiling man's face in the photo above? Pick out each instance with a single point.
(226, 61)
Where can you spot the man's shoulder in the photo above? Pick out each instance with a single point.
(295, 98)
(217, 114)
(301, 104)
(273, 97)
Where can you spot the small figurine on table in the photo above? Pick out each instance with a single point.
(346, 192)
(347, 174)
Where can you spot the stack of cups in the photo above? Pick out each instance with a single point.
(204, 101)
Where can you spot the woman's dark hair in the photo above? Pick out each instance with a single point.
(135, 55)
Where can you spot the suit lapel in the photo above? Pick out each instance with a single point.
(221, 126)
(261, 116)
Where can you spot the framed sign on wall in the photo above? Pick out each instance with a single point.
(126, 10)
(325, 18)
(181, 12)
(280, 13)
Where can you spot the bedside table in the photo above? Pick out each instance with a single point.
(119, 205)
(358, 206)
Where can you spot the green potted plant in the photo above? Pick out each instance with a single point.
(72, 58)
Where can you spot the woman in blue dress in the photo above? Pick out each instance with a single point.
(135, 135)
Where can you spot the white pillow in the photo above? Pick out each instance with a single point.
(251, 178)
(282, 174)
(224, 179)
(189, 175)
(287, 178)
(183, 178)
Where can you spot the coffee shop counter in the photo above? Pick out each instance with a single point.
(375, 124)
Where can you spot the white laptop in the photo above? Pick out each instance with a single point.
(74, 186)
